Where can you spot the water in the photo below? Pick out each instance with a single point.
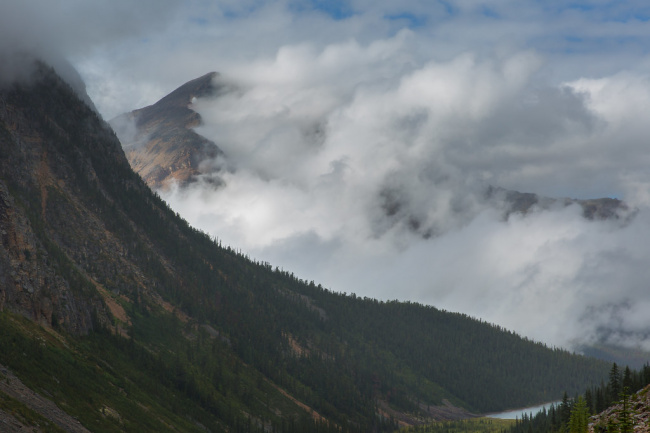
(518, 413)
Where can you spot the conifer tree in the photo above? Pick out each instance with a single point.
(565, 409)
(578, 421)
(612, 427)
(627, 378)
(589, 400)
(625, 421)
(614, 383)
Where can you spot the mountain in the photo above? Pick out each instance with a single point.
(159, 141)
(148, 152)
(162, 147)
(525, 202)
(116, 314)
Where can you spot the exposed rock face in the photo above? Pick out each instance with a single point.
(29, 281)
(159, 141)
(640, 414)
(14, 388)
(65, 241)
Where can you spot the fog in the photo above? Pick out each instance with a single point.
(363, 135)
(364, 170)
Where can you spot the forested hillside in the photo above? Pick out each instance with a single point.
(139, 322)
(618, 405)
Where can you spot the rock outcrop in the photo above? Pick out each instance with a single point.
(639, 406)
(159, 141)
(66, 243)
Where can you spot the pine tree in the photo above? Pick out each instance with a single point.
(614, 383)
(625, 421)
(612, 427)
(578, 421)
(627, 378)
(565, 409)
(589, 400)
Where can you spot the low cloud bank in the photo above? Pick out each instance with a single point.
(362, 141)
(365, 169)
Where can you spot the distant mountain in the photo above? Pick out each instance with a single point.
(125, 318)
(634, 358)
(161, 146)
(524, 202)
(159, 141)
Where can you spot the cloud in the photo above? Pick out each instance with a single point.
(60, 32)
(363, 137)
(364, 167)
(75, 26)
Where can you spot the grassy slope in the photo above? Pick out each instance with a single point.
(111, 384)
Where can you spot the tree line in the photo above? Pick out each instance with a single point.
(571, 415)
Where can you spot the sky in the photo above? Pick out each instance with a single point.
(361, 136)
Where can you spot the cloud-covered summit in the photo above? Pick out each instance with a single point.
(348, 157)
(374, 182)
(361, 128)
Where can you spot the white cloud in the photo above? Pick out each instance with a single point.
(345, 156)
(353, 137)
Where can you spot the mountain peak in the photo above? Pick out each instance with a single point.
(159, 140)
(197, 88)
(191, 336)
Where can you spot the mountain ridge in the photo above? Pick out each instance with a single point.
(159, 140)
(162, 146)
(129, 307)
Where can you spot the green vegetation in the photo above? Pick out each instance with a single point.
(472, 425)
(111, 384)
(27, 416)
(578, 421)
(625, 422)
(571, 415)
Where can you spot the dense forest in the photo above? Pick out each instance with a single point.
(204, 330)
(571, 415)
(614, 398)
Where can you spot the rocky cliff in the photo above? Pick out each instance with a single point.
(68, 247)
(639, 412)
(159, 141)
(33, 198)
(524, 202)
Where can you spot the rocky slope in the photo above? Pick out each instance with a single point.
(640, 414)
(38, 208)
(85, 248)
(159, 141)
(15, 389)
